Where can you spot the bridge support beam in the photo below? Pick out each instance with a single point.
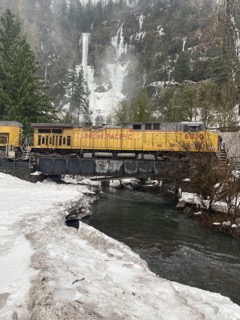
(110, 167)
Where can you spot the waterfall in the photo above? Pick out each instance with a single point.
(85, 42)
(184, 42)
(105, 94)
(118, 43)
(117, 70)
(141, 18)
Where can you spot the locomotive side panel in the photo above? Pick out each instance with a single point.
(168, 139)
(50, 139)
(148, 141)
(113, 139)
(10, 134)
(109, 139)
(132, 140)
(201, 141)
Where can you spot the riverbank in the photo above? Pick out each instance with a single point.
(215, 220)
(223, 223)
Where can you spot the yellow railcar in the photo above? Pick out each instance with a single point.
(10, 138)
(136, 139)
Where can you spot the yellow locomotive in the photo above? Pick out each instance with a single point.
(139, 140)
(10, 138)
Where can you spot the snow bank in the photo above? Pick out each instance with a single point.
(50, 271)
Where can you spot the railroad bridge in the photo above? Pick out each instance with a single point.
(109, 167)
(115, 168)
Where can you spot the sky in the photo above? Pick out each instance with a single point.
(50, 271)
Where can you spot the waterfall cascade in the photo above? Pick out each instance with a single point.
(141, 19)
(85, 42)
(118, 43)
(103, 102)
(184, 42)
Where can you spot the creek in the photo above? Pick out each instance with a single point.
(173, 246)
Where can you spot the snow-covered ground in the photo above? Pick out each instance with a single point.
(50, 271)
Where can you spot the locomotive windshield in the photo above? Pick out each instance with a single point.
(193, 127)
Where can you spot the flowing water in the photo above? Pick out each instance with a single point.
(173, 246)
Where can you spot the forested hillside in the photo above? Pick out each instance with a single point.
(115, 61)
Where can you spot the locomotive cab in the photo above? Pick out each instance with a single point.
(10, 138)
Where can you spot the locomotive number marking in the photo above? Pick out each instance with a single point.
(194, 136)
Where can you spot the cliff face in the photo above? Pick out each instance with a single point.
(122, 46)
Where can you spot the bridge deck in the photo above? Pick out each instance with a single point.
(109, 167)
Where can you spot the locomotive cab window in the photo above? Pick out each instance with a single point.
(4, 138)
(148, 126)
(137, 127)
(56, 130)
(192, 128)
(60, 140)
(44, 130)
(68, 140)
(156, 126)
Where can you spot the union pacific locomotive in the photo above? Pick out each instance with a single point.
(151, 140)
(138, 140)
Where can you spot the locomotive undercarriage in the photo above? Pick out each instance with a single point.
(112, 154)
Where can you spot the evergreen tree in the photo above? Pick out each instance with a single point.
(180, 104)
(22, 92)
(58, 80)
(10, 31)
(78, 93)
(121, 114)
(167, 106)
(225, 102)
(88, 16)
(207, 102)
(110, 8)
(182, 68)
(68, 118)
(98, 13)
(140, 107)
